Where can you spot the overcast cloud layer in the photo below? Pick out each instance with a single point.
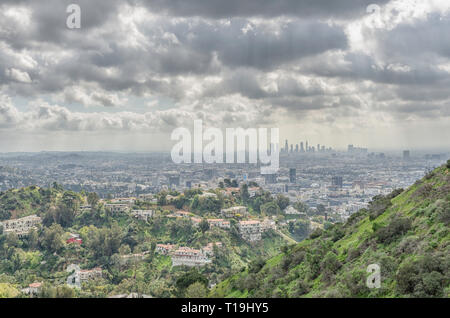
(373, 73)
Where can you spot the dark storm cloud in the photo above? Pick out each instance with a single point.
(294, 55)
(264, 8)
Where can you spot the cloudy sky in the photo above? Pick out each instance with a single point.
(374, 73)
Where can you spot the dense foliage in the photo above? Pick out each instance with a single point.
(406, 233)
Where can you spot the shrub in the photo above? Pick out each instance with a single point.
(398, 226)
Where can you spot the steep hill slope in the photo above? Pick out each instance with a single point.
(406, 233)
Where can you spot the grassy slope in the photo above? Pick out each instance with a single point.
(414, 260)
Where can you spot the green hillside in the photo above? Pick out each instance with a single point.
(107, 239)
(406, 233)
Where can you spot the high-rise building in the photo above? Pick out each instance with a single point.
(174, 180)
(318, 147)
(336, 181)
(406, 154)
(307, 148)
(296, 148)
(301, 147)
(292, 175)
(270, 178)
(286, 146)
(292, 148)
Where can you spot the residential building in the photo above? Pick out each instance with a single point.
(164, 249)
(189, 257)
(234, 211)
(142, 214)
(117, 207)
(21, 226)
(250, 230)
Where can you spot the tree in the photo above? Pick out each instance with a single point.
(189, 278)
(52, 238)
(93, 199)
(270, 208)
(4, 214)
(299, 229)
(245, 196)
(204, 225)
(8, 291)
(196, 290)
(282, 201)
(321, 209)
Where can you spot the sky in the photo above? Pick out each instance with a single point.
(373, 73)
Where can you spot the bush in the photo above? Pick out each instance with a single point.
(398, 226)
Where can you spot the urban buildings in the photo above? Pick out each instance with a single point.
(250, 230)
(21, 226)
(234, 211)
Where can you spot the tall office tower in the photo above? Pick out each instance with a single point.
(286, 146)
(292, 148)
(209, 173)
(318, 147)
(292, 175)
(174, 180)
(336, 181)
(296, 148)
(313, 149)
(270, 178)
(406, 154)
(307, 148)
(350, 148)
(301, 147)
(323, 148)
(188, 184)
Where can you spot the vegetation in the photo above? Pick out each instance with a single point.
(44, 254)
(406, 233)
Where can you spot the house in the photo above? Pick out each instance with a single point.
(189, 257)
(234, 211)
(79, 276)
(32, 289)
(88, 274)
(220, 223)
(180, 214)
(250, 230)
(253, 191)
(164, 249)
(209, 249)
(128, 201)
(133, 257)
(74, 240)
(21, 226)
(268, 224)
(208, 195)
(146, 197)
(85, 208)
(196, 221)
(142, 214)
(117, 207)
(290, 210)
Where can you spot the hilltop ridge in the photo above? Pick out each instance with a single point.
(406, 233)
